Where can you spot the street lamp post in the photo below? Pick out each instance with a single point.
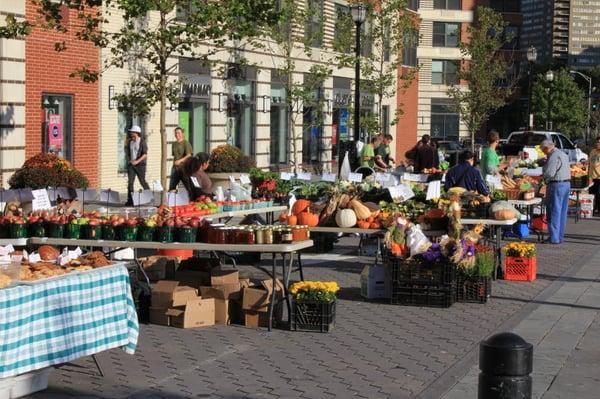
(531, 57)
(588, 79)
(359, 12)
(549, 79)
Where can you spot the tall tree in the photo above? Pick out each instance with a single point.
(561, 102)
(484, 69)
(157, 33)
(389, 28)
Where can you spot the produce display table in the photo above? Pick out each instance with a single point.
(528, 205)
(496, 226)
(62, 319)
(15, 242)
(274, 249)
(256, 211)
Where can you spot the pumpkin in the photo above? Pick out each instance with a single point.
(283, 217)
(375, 225)
(504, 214)
(362, 212)
(345, 218)
(308, 219)
(48, 253)
(292, 220)
(435, 213)
(300, 206)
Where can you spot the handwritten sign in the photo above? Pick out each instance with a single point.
(402, 192)
(434, 190)
(330, 177)
(34, 258)
(287, 176)
(244, 179)
(40, 200)
(355, 177)
(494, 181)
(416, 177)
(304, 176)
(231, 179)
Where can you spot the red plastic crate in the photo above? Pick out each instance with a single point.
(520, 269)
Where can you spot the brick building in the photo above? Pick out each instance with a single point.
(61, 111)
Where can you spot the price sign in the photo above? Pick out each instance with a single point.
(328, 177)
(40, 200)
(304, 176)
(434, 190)
(355, 177)
(402, 192)
(494, 181)
(287, 176)
(144, 197)
(383, 177)
(421, 178)
(244, 179)
(180, 198)
(109, 196)
(7, 250)
(232, 179)
(33, 258)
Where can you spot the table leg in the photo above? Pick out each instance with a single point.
(272, 299)
(498, 263)
(286, 283)
(300, 266)
(577, 206)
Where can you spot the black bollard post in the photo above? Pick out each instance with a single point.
(506, 362)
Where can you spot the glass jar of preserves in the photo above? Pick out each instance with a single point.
(277, 236)
(259, 235)
(268, 235)
(286, 236)
(221, 235)
(247, 236)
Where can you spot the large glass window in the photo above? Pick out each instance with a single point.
(409, 49)
(241, 116)
(125, 120)
(444, 120)
(311, 135)
(446, 34)
(193, 118)
(314, 23)
(412, 5)
(446, 4)
(279, 126)
(443, 72)
(57, 128)
(344, 28)
(511, 34)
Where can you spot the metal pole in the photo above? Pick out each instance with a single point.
(587, 132)
(357, 86)
(529, 100)
(549, 119)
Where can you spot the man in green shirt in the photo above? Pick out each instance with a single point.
(181, 150)
(367, 156)
(490, 162)
(382, 155)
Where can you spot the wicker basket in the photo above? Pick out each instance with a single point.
(512, 194)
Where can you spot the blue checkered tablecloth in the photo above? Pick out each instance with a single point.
(63, 319)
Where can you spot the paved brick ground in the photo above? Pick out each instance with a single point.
(376, 350)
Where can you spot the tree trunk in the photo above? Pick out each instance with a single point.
(163, 122)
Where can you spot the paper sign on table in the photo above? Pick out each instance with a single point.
(494, 181)
(402, 191)
(34, 257)
(142, 198)
(244, 179)
(179, 198)
(304, 176)
(328, 177)
(421, 178)
(7, 250)
(434, 190)
(355, 177)
(63, 260)
(40, 200)
(287, 176)
(231, 179)
(156, 186)
(87, 195)
(109, 196)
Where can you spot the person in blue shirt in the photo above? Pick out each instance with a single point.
(466, 175)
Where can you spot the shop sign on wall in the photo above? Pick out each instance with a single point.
(55, 132)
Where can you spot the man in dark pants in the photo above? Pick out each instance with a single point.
(594, 174)
(137, 153)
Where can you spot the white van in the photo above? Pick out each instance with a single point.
(530, 138)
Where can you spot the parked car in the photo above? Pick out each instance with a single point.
(530, 138)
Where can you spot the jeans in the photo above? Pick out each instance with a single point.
(132, 172)
(557, 202)
(176, 177)
(595, 191)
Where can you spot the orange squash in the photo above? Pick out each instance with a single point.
(292, 220)
(375, 225)
(362, 224)
(435, 213)
(300, 206)
(308, 219)
(283, 217)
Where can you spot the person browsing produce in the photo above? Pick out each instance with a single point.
(465, 175)
(557, 174)
(594, 174)
(368, 152)
(426, 155)
(196, 181)
(382, 155)
(490, 162)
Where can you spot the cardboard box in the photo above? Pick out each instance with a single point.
(257, 298)
(375, 282)
(197, 312)
(160, 267)
(222, 315)
(225, 291)
(170, 294)
(224, 276)
(159, 316)
(195, 272)
(254, 319)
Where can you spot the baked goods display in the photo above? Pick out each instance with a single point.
(5, 281)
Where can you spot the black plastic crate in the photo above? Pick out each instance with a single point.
(433, 296)
(419, 271)
(473, 289)
(579, 182)
(312, 316)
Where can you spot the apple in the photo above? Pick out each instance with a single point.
(34, 219)
(194, 223)
(132, 222)
(114, 223)
(169, 223)
(94, 222)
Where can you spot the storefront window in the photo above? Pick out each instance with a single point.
(311, 135)
(444, 120)
(279, 125)
(125, 120)
(193, 118)
(194, 106)
(241, 116)
(57, 134)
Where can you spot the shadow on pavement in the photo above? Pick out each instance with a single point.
(571, 305)
(567, 279)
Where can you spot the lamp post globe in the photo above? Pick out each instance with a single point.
(531, 54)
(550, 76)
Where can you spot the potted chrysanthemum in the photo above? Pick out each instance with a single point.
(313, 307)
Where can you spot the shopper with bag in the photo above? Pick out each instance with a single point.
(557, 175)
(594, 174)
